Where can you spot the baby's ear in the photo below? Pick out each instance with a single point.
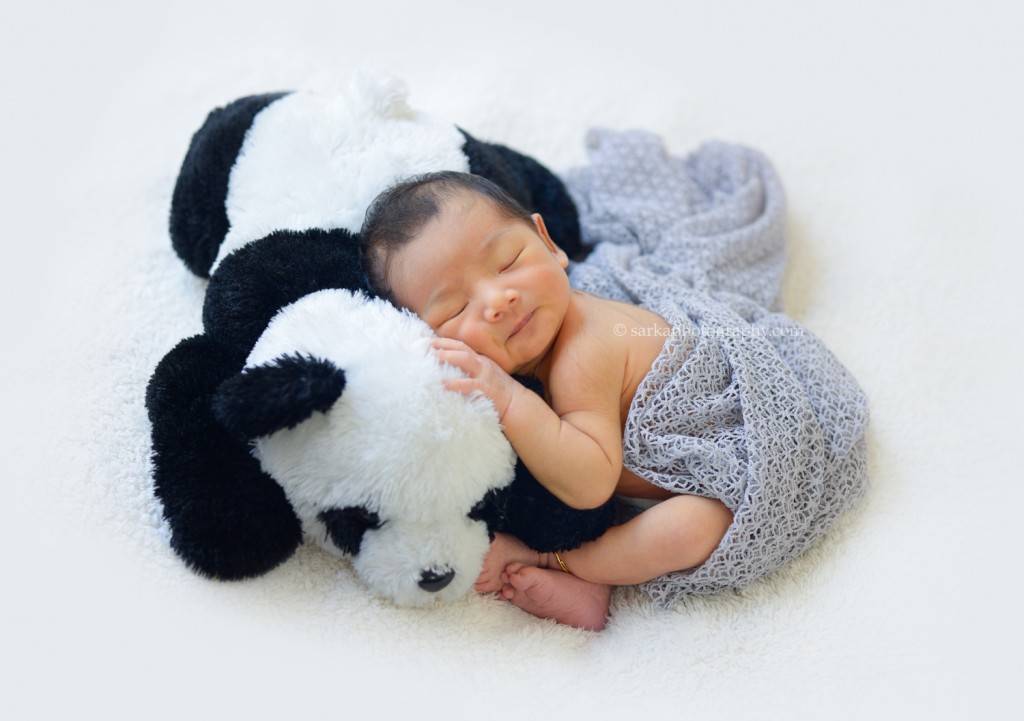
(277, 395)
(542, 231)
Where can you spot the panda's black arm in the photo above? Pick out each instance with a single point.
(228, 519)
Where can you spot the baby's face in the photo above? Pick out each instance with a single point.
(496, 284)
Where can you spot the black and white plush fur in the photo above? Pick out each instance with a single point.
(344, 401)
(305, 160)
(306, 410)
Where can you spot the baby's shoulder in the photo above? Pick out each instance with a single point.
(593, 327)
(611, 319)
(616, 345)
(594, 349)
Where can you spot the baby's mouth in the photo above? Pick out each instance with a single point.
(521, 324)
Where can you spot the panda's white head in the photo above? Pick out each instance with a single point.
(344, 400)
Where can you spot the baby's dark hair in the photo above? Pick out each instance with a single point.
(397, 215)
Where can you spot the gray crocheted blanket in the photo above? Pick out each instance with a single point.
(743, 404)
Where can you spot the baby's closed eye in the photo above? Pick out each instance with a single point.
(455, 312)
(512, 261)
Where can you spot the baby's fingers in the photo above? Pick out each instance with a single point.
(448, 344)
(465, 386)
(465, 360)
(472, 387)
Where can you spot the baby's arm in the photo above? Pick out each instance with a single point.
(576, 455)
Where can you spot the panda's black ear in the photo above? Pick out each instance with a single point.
(279, 394)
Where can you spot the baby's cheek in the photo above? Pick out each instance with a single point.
(473, 342)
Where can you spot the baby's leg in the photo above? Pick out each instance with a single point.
(557, 595)
(678, 533)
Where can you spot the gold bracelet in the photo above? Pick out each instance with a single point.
(561, 562)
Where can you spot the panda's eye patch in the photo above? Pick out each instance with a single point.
(367, 517)
(477, 512)
(346, 526)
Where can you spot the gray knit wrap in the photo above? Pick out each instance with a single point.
(743, 404)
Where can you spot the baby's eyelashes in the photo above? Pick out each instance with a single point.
(512, 262)
(448, 316)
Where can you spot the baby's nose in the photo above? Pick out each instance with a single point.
(498, 303)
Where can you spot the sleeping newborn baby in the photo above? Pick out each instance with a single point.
(734, 431)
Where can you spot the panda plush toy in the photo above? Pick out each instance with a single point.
(308, 409)
(304, 160)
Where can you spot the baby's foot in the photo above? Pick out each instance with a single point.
(557, 595)
(505, 549)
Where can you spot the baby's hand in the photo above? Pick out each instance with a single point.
(484, 375)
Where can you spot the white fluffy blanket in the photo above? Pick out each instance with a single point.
(895, 130)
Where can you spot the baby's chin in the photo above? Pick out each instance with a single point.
(529, 368)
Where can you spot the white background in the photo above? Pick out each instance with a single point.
(896, 129)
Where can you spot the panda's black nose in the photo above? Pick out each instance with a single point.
(434, 581)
